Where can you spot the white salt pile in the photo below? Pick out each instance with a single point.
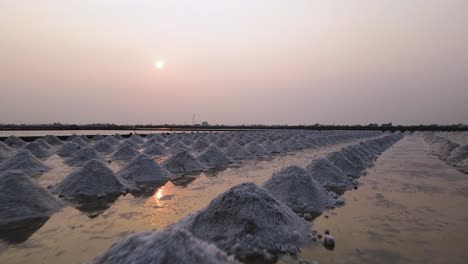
(248, 222)
(221, 143)
(43, 143)
(111, 140)
(327, 174)
(344, 164)
(135, 138)
(25, 162)
(130, 144)
(5, 147)
(118, 136)
(103, 147)
(178, 147)
(164, 247)
(199, 144)
(84, 155)
(92, 180)
(5, 151)
(358, 162)
(124, 153)
(21, 199)
(255, 149)
(53, 140)
(143, 170)
(68, 149)
(458, 155)
(80, 141)
(37, 150)
(183, 162)
(357, 150)
(155, 150)
(214, 158)
(237, 152)
(298, 190)
(14, 142)
(97, 137)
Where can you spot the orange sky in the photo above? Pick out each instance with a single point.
(234, 62)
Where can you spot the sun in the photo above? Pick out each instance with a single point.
(159, 64)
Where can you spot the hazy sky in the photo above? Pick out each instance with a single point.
(234, 62)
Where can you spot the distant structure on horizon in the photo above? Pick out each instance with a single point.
(205, 123)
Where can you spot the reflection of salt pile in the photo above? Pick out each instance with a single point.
(298, 190)
(181, 162)
(103, 147)
(255, 149)
(14, 142)
(144, 170)
(21, 199)
(237, 152)
(24, 161)
(92, 180)
(343, 163)
(167, 246)
(247, 221)
(37, 150)
(124, 153)
(458, 155)
(155, 149)
(327, 174)
(83, 155)
(213, 157)
(68, 149)
(53, 140)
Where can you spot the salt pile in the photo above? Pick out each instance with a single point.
(458, 155)
(221, 143)
(5, 151)
(80, 141)
(68, 149)
(247, 221)
(343, 163)
(155, 149)
(24, 161)
(129, 143)
(298, 190)
(124, 153)
(103, 147)
(213, 157)
(111, 140)
(178, 147)
(200, 144)
(183, 161)
(164, 247)
(144, 170)
(37, 150)
(255, 149)
(22, 199)
(137, 139)
(53, 140)
(92, 180)
(97, 137)
(358, 162)
(83, 155)
(14, 142)
(464, 166)
(327, 174)
(237, 152)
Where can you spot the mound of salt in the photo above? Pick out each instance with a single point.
(43, 143)
(458, 155)
(103, 147)
(155, 149)
(343, 163)
(183, 161)
(80, 141)
(124, 153)
(92, 180)
(4, 154)
(178, 147)
(237, 152)
(97, 137)
(111, 140)
(298, 190)
(352, 156)
(21, 199)
(213, 157)
(25, 162)
(37, 150)
(5, 147)
(118, 136)
(464, 166)
(248, 221)
(53, 140)
(222, 143)
(68, 149)
(164, 247)
(137, 139)
(327, 174)
(144, 170)
(200, 144)
(84, 155)
(14, 142)
(256, 149)
(129, 143)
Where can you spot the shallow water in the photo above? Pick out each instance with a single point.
(411, 207)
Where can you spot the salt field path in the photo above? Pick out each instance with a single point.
(71, 236)
(411, 208)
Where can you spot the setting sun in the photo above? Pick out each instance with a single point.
(159, 64)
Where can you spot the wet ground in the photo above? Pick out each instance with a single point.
(411, 207)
